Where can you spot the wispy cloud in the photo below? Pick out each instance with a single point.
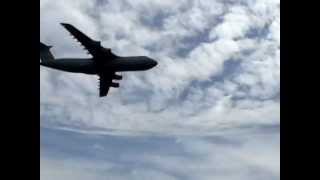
(239, 155)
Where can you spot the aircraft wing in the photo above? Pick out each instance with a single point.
(104, 81)
(93, 47)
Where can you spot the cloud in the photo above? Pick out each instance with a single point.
(219, 66)
(57, 169)
(210, 110)
(253, 154)
(84, 170)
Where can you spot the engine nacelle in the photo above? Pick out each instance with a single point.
(117, 77)
(115, 85)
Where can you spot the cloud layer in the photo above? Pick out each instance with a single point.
(253, 155)
(219, 66)
(210, 110)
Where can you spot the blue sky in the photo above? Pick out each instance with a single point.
(210, 110)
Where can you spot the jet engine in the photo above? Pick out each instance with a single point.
(115, 85)
(117, 77)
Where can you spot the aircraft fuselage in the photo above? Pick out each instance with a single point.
(104, 63)
(88, 66)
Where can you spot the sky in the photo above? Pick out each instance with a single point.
(209, 110)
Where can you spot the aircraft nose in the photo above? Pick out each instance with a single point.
(152, 62)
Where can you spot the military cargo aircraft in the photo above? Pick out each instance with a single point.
(103, 63)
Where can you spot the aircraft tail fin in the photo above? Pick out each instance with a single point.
(45, 54)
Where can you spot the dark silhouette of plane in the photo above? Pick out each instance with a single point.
(103, 63)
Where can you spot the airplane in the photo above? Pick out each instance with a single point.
(103, 63)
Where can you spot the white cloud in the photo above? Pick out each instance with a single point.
(216, 89)
(239, 155)
(190, 93)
